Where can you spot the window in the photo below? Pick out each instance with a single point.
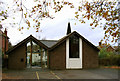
(74, 46)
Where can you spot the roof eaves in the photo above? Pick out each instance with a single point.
(25, 41)
(20, 43)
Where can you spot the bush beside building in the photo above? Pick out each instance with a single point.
(108, 58)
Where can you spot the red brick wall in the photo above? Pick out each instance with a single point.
(58, 57)
(90, 56)
(0, 39)
(3, 42)
(14, 60)
(3, 36)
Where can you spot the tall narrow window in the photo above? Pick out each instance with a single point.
(74, 46)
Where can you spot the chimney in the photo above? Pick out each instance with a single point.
(69, 28)
(5, 32)
(5, 42)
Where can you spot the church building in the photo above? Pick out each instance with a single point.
(73, 51)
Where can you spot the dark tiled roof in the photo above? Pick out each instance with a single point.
(49, 43)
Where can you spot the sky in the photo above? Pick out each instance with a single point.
(54, 29)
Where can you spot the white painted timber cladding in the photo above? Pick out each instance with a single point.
(74, 63)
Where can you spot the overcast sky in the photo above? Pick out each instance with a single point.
(54, 29)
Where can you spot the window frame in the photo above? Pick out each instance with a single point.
(74, 47)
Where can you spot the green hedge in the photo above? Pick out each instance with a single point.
(110, 60)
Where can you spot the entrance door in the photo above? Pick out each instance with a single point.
(36, 59)
(39, 59)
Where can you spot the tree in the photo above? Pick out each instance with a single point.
(9, 45)
(99, 11)
(102, 13)
(104, 53)
(3, 12)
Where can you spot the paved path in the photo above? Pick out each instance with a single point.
(88, 74)
(61, 74)
(28, 74)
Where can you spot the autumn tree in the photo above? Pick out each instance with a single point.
(102, 13)
(3, 12)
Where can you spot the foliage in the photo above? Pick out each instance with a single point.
(9, 45)
(104, 54)
(34, 48)
(97, 11)
(108, 58)
(3, 12)
(111, 60)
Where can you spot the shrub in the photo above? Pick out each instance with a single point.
(108, 58)
(109, 61)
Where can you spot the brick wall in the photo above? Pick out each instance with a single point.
(58, 57)
(0, 39)
(3, 40)
(3, 43)
(16, 56)
(90, 56)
